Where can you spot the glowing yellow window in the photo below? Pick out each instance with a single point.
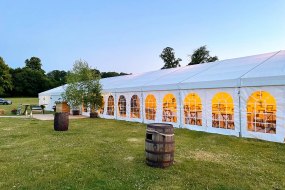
(150, 107)
(223, 111)
(193, 109)
(110, 106)
(122, 106)
(135, 107)
(261, 112)
(169, 113)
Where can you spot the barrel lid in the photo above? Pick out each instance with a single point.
(160, 125)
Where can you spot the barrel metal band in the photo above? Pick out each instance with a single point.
(159, 142)
(158, 162)
(154, 131)
(164, 126)
(154, 152)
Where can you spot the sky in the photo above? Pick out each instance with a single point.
(128, 36)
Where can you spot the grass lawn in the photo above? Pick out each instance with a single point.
(109, 154)
(16, 102)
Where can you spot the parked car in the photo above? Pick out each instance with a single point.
(5, 102)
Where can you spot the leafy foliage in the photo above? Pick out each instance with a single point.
(31, 79)
(29, 82)
(57, 78)
(5, 78)
(83, 86)
(112, 74)
(201, 55)
(34, 63)
(168, 57)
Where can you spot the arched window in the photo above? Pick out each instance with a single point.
(169, 113)
(110, 106)
(261, 112)
(101, 109)
(223, 111)
(150, 107)
(135, 107)
(122, 106)
(193, 109)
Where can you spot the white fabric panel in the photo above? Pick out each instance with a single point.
(203, 98)
(226, 73)
(110, 84)
(279, 94)
(159, 95)
(271, 72)
(49, 101)
(139, 94)
(136, 81)
(158, 109)
(106, 96)
(209, 96)
(206, 96)
(128, 97)
(45, 100)
(171, 80)
(55, 91)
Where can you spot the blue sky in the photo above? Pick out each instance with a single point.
(128, 35)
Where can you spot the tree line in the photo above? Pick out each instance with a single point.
(199, 55)
(31, 79)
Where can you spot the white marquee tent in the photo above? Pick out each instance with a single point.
(241, 97)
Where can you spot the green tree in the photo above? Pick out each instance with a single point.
(201, 55)
(34, 63)
(28, 82)
(57, 78)
(168, 57)
(6, 83)
(83, 87)
(112, 74)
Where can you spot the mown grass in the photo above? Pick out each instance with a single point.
(16, 102)
(109, 154)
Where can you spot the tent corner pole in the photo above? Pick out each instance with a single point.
(115, 106)
(239, 108)
(180, 108)
(142, 102)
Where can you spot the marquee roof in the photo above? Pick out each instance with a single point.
(257, 70)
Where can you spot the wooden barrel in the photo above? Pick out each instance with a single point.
(61, 121)
(159, 145)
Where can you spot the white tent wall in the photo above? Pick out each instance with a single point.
(105, 114)
(278, 92)
(49, 100)
(203, 96)
(156, 118)
(45, 100)
(206, 96)
(128, 96)
(127, 108)
(159, 96)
